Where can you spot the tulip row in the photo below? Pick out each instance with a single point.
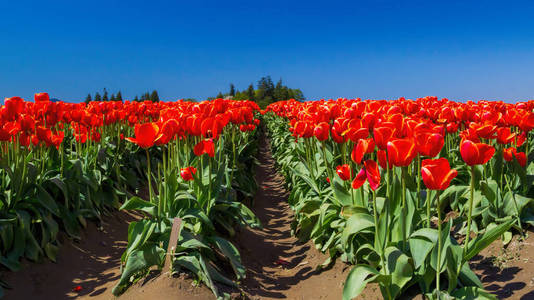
(371, 180)
(64, 163)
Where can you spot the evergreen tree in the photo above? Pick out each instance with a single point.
(119, 96)
(88, 98)
(232, 89)
(112, 98)
(154, 97)
(219, 95)
(136, 98)
(279, 91)
(250, 93)
(98, 97)
(105, 97)
(296, 94)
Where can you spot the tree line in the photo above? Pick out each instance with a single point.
(266, 92)
(153, 96)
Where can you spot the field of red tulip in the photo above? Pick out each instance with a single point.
(389, 187)
(63, 164)
(393, 187)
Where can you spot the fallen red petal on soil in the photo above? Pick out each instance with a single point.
(77, 288)
(282, 262)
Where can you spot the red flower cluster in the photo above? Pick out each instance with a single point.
(46, 123)
(395, 133)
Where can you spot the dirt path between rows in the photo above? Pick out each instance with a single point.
(278, 265)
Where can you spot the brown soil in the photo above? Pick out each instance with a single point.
(278, 265)
(507, 272)
(93, 263)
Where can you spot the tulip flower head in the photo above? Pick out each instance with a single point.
(187, 173)
(321, 131)
(401, 152)
(344, 172)
(145, 135)
(476, 153)
(205, 147)
(363, 147)
(437, 173)
(505, 136)
(510, 153)
(369, 172)
(429, 144)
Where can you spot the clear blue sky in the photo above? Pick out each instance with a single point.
(370, 49)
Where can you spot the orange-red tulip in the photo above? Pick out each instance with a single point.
(205, 147)
(505, 135)
(429, 144)
(187, 173)
(321, 131)
(344, 172)
(437, 173)
(145, 135)
(401, 152)
(509, 153)
(363, 147)
(369, 172)
(476, 153)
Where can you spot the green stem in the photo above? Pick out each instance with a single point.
(439, 243)
(472, 187)
(428, 203)
(234, 163)
(418, 182)
(209, 184)
(149, 176)
(403, 219)
(382, 257)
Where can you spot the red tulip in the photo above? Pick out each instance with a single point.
(14, 106)
(360, 179)
(476, 153)
(527, 122)
(520, 140)
(145, 135)
(509, 153)
(205, 146)
(505, 135)
(370, 173)
(401, 152)
(429, 144)
(167, 131)
(437, 173)
(321, 131)
(356, 133)
(344, 172)
(452, 127)
(363, 147)
(302, 129)
(373, 174)
(42, 97)
(57, 139)
(382, 159)
(485, 130)
(521, 158)
(382, 135)
(187, 173)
